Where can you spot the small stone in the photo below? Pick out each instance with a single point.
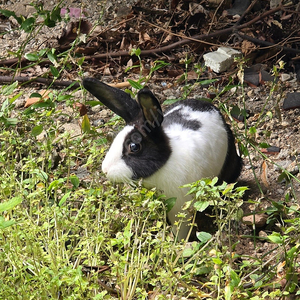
(285, 77)
(282, 165)
(291, 101)
(259, 220)
(262, 234)
(271, 150)
(293, 168)
(105, 113)
(96, 108)
(241, 125)
(285, 124)
(220, 60)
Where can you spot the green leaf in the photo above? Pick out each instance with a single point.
(264, 145)
(31, 56)
(14, 98)
(86, 126)
(9, 121)
(62, 97)
(170, 101)
(80, 61)
(8, 205)
(55, 184)
(252, 130)
(37, 130)
(217, 260)
(9, 89)
(75, 181)
(4, 224)
(28, 24)
(159, 64)
(35, 95)
(54, 71)
(136, 52)
(276, 238)
(93, 103)
(9, 13)
(43, 176)
(64, 199)
(170, 203)
(52, 57)
(208, 81)
(135, 84)
(191, 250)
(235, 279)
(201, 205)
(203, 236)
(45, 104)
(228, 188)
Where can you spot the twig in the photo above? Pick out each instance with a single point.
(214, 15)
(46, 81)
(267, 44)
(194, 38)
(178, 35)
(153, 52)
(63, 83)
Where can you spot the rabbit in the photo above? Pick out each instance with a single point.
(188, 142)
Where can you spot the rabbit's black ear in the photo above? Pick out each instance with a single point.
(151, 107)
(115, 99)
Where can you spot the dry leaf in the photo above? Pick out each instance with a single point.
(33, 100)
(264, 174)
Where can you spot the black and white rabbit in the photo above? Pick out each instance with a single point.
(188, 142)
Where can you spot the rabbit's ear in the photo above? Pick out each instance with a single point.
(115, 99)
(151, 107)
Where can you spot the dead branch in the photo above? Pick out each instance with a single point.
(27, 80)
(187, 40)
(267, 44)
(62, 83)
(199, 38)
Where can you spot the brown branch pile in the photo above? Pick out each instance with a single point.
(169, 33)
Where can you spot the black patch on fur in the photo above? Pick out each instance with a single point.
(233, 163)
(178, 117)
(154, 153)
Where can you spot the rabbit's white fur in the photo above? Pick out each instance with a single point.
(208, 146)
(113, 165)
(189, 147)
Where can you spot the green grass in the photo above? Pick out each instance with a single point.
(67, 233)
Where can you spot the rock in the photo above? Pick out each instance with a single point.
(271, 150)
(259, 220)
(291, 101)
(262, 234)
(293, 168)
(285, 77)
(256, 75)
(282, 164)
(220, 60)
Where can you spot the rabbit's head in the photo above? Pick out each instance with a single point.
(142, 147)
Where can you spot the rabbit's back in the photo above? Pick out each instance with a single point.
(199, 144)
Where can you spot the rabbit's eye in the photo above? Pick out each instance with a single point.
(134, 147)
